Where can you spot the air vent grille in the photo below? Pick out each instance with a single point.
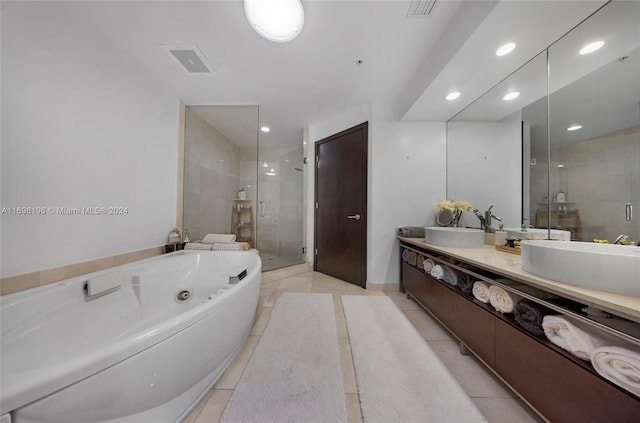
(190, 59)
(421, 8)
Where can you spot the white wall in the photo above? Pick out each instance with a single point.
(406, 176)
(484, 167)
(81, 127)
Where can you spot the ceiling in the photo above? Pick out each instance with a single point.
(409, 62)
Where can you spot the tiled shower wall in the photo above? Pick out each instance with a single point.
(211, 178)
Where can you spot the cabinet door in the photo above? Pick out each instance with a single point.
(561, 390)
(471, 323)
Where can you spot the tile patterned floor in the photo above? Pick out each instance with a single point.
(492, 397)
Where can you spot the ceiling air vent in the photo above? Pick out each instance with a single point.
(190, 59)
(421, 8)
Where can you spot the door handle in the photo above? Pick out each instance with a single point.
(354, 217)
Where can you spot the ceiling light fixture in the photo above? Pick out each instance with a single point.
(574, 127)
(265, 129)
(591, 47)
(453, 95)
(511, 96)
(271, 172)
(505, 49)
(275, 20)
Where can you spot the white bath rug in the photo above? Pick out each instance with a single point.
(294, 374)
(400, 379)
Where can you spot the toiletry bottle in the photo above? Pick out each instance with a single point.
(174, 236)
(242, 194)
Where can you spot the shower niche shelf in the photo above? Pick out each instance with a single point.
(242, 221)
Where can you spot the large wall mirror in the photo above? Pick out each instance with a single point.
(564, 154)
(594, 134)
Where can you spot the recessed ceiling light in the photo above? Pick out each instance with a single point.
(591, 47)
(265, 164)
(574, 127)
(511, 96)
(505, 49)
(453, 95)
(265, 129)
(271, 172)
(560, 165)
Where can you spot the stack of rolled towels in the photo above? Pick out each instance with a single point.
(611, 357)
(218, 242)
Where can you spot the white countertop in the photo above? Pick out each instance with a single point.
(510, 265)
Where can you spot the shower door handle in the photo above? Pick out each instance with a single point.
(354, 217)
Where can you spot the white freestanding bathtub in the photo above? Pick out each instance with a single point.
(145, 347)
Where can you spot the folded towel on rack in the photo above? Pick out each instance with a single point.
(413, 258)
(529, 315)
(465, 282)
(502, 300)
(411, 231)
(619, 365)
(218, 239)
(480, 290)
(236, 246)
(575, 337)
(197, 246)
(428, 265)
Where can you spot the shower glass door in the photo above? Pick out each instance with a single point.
(280, 204)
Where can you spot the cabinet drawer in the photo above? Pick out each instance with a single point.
(559, 389)
(471, 323)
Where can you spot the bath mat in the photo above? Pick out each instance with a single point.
(294, 373)
(400, 379)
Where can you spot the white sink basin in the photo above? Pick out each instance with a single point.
(534, 233)
(606, 267)
(454, 237)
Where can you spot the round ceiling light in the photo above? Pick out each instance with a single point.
(511, 96)
(505, 49)
(275, 20)
(453, 95)
(271, 172)
(574, 127)
(265, 129)
(591, 47)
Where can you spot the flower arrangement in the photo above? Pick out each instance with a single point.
(456, 207)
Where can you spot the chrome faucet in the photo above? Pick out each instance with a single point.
(485, 221)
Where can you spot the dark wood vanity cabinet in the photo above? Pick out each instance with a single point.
(562, 388)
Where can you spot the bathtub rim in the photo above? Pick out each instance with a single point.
(26, 387)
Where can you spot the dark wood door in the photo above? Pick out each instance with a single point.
(341, 205)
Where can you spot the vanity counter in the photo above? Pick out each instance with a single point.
(510, 265)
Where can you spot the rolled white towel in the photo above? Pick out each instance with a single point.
(428, 265)
(437, 271)
(619, 365)
(219, 239)
(502, 300)
(577, 338)
(481, 291)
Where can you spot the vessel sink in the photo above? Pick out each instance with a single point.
(535, 233)
(605, 267)
(454, 237)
